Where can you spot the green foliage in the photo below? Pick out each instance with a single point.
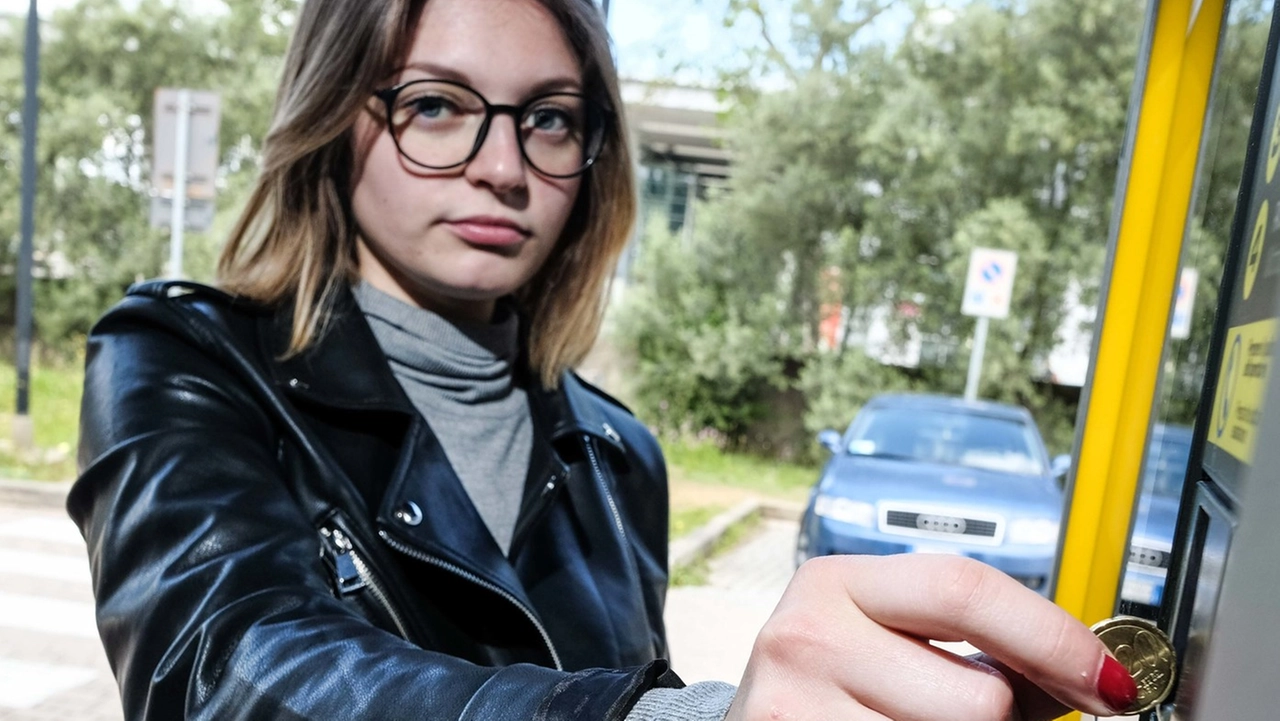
(101, 63)
(684, 520)
(705, 463)
(837, 385)
(704, 359)
(55, 418)
(863, 184)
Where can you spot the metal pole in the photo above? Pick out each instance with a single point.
(178, 221)
(975, 358)
(22, 429)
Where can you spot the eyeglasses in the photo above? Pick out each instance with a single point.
(441, 124)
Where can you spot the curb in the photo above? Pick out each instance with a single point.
(698, 544)
(34, 494)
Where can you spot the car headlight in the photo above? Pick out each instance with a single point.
(1033, 531)
(845, 510)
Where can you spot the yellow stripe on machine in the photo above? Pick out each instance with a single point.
(1133, 320)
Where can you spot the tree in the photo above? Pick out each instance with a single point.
(881, 164)
(102, 61)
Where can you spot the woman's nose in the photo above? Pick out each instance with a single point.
(499, 163)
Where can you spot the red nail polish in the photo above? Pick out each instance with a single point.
(1116, 686)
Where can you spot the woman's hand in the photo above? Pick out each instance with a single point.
(849, 641)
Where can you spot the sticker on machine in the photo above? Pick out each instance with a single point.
(1242, 385)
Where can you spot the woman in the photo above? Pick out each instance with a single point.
(358, 481)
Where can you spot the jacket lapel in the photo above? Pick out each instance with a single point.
(425, 512)
(344, 369)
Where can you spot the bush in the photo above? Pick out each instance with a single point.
(699, 363)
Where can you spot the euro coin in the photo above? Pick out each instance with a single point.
(1142, 648)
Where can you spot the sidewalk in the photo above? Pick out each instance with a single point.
(34, 494)
(711, 628)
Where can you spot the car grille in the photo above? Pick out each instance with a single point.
(940, 525)
(1148, 557)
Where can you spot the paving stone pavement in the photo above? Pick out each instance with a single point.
(711, 628)
(52, 666)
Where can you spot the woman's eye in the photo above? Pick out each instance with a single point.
(430, 107)
(549, 120)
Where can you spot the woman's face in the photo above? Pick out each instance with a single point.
(455, 241)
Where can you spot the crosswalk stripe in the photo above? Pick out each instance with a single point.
(47, 615)
(24, 684)
(45, 565)
(52, 529)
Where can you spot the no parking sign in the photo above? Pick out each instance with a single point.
(989, 288)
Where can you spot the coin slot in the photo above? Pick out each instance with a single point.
(1205, 560)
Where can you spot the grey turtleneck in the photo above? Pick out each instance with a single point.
(459, 377)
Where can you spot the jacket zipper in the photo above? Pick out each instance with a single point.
(352, 574)
(533, 511)
(599, 476)
(467, 575)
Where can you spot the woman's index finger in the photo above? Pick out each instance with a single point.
(951, 598)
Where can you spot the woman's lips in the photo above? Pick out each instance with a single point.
(489, 231)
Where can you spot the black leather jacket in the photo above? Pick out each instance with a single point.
(284, 539)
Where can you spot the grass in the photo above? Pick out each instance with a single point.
(705, 479)
(698, 573)
(684, 520)
(54, 410)
(698, 463)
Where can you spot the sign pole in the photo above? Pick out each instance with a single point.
(988, 291)
(23, 434)
(975, 358)
(178, 220)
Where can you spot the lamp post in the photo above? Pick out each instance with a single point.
(22, 430)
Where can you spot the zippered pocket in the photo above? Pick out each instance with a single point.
(340, 557)
(351, 574)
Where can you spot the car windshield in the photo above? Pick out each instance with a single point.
(1167, 461)
(953, 438)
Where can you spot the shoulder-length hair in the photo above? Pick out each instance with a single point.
(295, 240)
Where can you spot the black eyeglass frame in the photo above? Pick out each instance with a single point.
(388, 97)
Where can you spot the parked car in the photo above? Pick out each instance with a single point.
(1156, 515)
(936, 474)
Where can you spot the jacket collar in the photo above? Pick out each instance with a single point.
(346, 369)
(574, 411)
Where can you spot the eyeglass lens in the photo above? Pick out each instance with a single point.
(438, 125)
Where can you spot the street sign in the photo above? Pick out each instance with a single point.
(198, 215)
(204, 116)
(989, 287)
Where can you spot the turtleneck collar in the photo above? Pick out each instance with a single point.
(465, 362)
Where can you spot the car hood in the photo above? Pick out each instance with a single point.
(873, 479)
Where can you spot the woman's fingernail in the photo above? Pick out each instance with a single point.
(1116, 686)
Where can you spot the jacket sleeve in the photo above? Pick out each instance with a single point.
(212, 599)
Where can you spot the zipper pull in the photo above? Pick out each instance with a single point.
(336, 552)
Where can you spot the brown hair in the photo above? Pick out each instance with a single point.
(295, 240)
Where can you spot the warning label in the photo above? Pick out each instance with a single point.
(1242, 386)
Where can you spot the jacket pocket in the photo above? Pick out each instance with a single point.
(353, 580)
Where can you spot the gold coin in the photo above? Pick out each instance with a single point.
(1142, 648)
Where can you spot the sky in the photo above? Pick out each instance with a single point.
(665, 38)
(654, 38)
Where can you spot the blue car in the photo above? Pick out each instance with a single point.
(1156, 516)
(935, 474)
